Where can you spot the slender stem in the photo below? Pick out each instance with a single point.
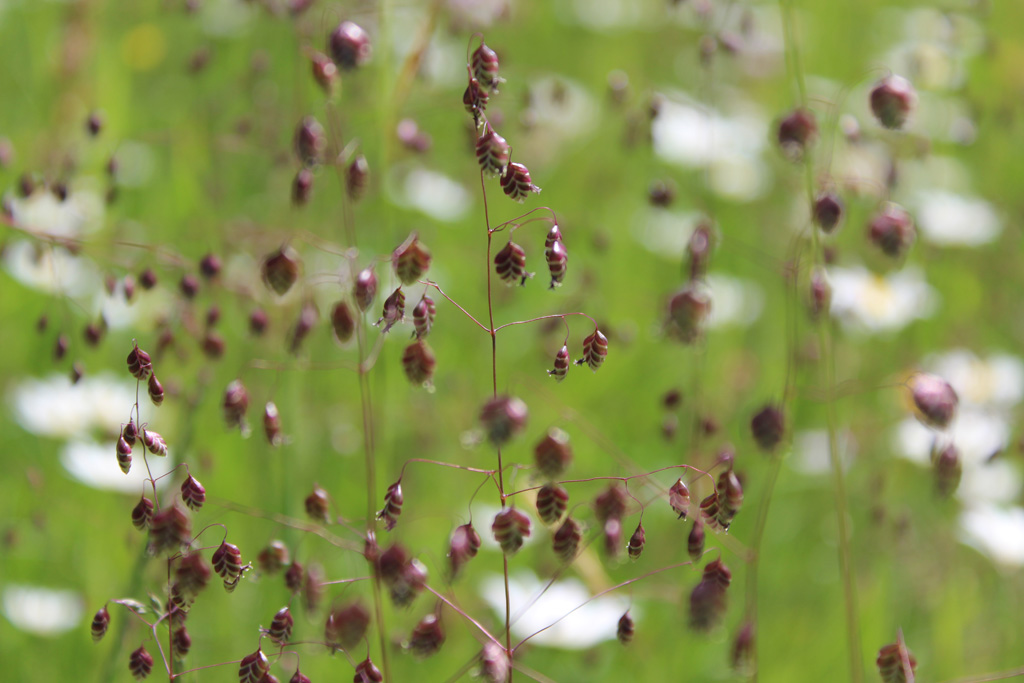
(828, 361)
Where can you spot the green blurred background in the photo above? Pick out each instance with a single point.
(200, 104)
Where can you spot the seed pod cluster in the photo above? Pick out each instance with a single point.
(502, 418)
(566, 541)
(100, 623)
(895, 663)
(552, 500)
(418, 361)
(562, 363)
(346, 626)
(556, 256)
(423, 315)
(193, 494)
(492, 151)
(281, 626)
(367, 672)
(411, 260)
(404, 575)
(169, 529)
(625, 630)
(595, 350)
(427, 636)
(140, 663)
(318, 506)
(511, 526)
(517, 183)
(463, 546)
(253, 667)
(679, 498)
(768, 426)
(708, 599)
(227, 562)
(394, 310)
(393, 500)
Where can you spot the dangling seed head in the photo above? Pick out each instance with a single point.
(325, 72)
(280, 270)
(612, 532)
(365, 289)
(566, 541)
(357, 176)
(679, 498)
(281, 626)
(709, 509)
(367, 672)
(418, 360)
(147, 279)
(349, 45)
(294, 576)
(100, 623)
(708, 599)
(124, 455)
(637, 542)
(210, 266)
(610, 503)
(492, 151)
(552, 500)
(827, 211)
(688, 310)
(946, 468)
(510, 528)
(502, 418)
(140, 663)
(892, 100)
(516, 182)
(188, 286)
(227, 562)
(562, 363)
(169, 529)
(935, 400)
(768, 427)
(393, 500)
(309, 316)
(236, 402)
(346, 626)
(730, 497)
(474, 98)
(258, 321)
(139, 363)
(494, 663)
(411, 260)
(895, 663)
(892, 230)
(142, 514)
(302, 187)
(299, 677)
(423, 316)
(272, 424)
(557, 259)
(193, 493)
(484, 64)
(695, 541)
(510, 264)
(154, 443)
(273, 558)
(192, 575)
(625, 629)
(310, 140)
(182, 642)
(318, 506)
(553, 454)
(394, 310)
(595, 350)
(796, 133)
(342, 321)
(743, 647)
(427, 637)
(463, 547)
(253, 667)
(156, 390)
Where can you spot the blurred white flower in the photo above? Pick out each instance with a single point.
(95, 465)
(946, 218)
(43, 213)
(996, 532)
(434, 194)
(57, 408)
(42, 611)
(694, 135)
(593, 623)
(733, 301)
(50, 269)
(866, 302)
(811, 451)
(997, 381)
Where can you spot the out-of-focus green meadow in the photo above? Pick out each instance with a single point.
(200, 109)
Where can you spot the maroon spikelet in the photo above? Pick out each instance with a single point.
(318, 506)
(273, 558)
(796, 132)
(708, 599)
(516, 182)
(140, 365)
(357, 177)
(367, 672)
(423, 316)
(595, 350)
(688, 310)
(100, 623)
(193, 574)
(342, 321)
(552, 501)
(557, 259)
(895, 663)
(566, 541)
(892, 230)
(124, 455)
(236, 402)
(169, 529)
(463, 547)
(553, 454)
(294, 576)
(510, 264)
(393, 500)
(281, 626)
(280, 270)
(349, 45)
(730, 498)
(503, 417)
(309, 316)
(155, 389)
(299, 677)
(272, 424)
(827, 211)
(394, 310)
(302, 187)
(612, 532)
(510, 528)
(492, 151)
(695, 541)
(428, 636)
(768, 426)
(625, 630)
(253, 667)
(484, 65)
(325, 72)
(637, 542)
(411, 260)
(474, 98)
(892, 100)
(346, 626)
(494, 663)
(227, 562)
(679, 498)
(365, 289)
(140, 663)
(946, 468)
(193, 493)
(418, 361)
(610, 504)
(935, 400)
(562, 363)
(310, 141)
(182, 642)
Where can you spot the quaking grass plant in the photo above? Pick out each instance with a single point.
(362, 583)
